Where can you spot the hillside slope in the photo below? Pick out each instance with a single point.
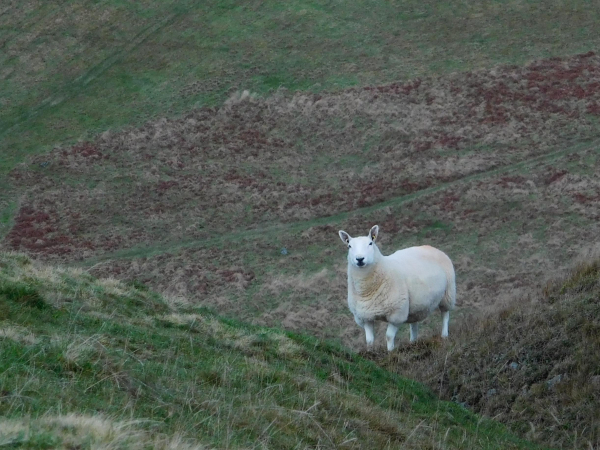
(500, 168)
(89, 362)
(534, 365)
(71, 69)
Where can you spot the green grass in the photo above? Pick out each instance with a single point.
(109, 355)
(22, 294)
(7, 212)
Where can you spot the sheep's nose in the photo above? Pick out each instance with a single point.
(360, 261)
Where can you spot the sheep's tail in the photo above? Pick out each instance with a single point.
(449, 300)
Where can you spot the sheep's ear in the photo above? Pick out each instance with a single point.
(374, 232)
(345, 237)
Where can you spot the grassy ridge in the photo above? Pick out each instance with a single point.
(84, 353)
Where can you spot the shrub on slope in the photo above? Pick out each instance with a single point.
(89, 363)
(534, 365)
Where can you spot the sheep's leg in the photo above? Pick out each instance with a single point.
(414, 331)
(445, 319)
(369, 335)
(390, 335)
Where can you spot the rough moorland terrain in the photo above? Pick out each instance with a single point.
(291, 158)
(237, 208)
(533, 365)
(130, 148)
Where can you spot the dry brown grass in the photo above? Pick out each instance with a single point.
(72, 431)
(16, 333)
(533, 364)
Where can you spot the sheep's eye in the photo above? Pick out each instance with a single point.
(349, 246)
(370, 243)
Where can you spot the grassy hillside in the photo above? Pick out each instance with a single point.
(92, 362)
(533, 365)
(499, 168)
(213, 149)
(74, 68)
(236, 205)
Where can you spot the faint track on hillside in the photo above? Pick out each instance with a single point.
(77, 85)
(137, 252)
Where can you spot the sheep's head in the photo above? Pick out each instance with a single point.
(361, 250)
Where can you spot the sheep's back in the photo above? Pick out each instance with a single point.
(427, 273)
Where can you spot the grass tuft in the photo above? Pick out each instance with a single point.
(22, 294)
(584, 278)
(82, 431)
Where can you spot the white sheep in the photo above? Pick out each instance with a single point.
(402, 287)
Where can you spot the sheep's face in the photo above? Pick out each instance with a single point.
(361, 250)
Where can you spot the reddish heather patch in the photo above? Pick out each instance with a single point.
(109, 243)
(396, 88)
(164, 186)
(586, 55)
(36, 231)
(240, 277)
(248, 182)
(233, 275)
(422, 145)
(410, 224)
(324, 229)
(86, 150)
(448, 201)
(409, 186)
(555, 177)
(507, 181)
(328, 199)
(372, 190)
(16, 175)
(593, 108)
(448, 141)
(253, 137)
(549, 82)
(584, 199)
(390, 225)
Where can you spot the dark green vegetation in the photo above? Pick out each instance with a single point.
(110, 364)
(533, 365)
